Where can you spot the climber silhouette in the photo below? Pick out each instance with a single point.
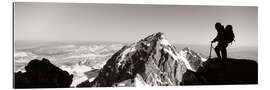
(224, 37)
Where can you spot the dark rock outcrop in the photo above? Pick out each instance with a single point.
(42, 74)
(217, 72)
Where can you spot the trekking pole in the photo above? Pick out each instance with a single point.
(210, 51)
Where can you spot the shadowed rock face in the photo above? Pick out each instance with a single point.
(42, 74)
(217, 72)
(151, 61)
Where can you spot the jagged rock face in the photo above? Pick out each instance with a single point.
(151, 61)
(42, 74)
(195, 59)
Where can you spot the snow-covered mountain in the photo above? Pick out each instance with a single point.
(152, 61)
(195, 59)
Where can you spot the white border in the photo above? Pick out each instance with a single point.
(264, 33)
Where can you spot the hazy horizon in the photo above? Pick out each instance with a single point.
(182, 24)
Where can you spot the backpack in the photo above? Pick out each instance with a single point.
(228, 35)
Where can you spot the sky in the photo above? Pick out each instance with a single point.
(181, 24)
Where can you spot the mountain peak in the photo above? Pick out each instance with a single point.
(159, 36)
(152, 61)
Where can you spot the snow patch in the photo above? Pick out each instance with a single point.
(164, 42)
(183, 53)
(139, 82)
(91, 79)
(185, 62)
(78, 73)
(124, 54)
(203, 59)
(148, 44)
(76, 69)
(78, 80)
(179, 57)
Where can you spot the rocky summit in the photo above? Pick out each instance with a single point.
(152, 61)
(223, 72)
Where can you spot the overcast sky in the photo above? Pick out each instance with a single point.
(113, 22)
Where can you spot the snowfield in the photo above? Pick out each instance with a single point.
(77, 59)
